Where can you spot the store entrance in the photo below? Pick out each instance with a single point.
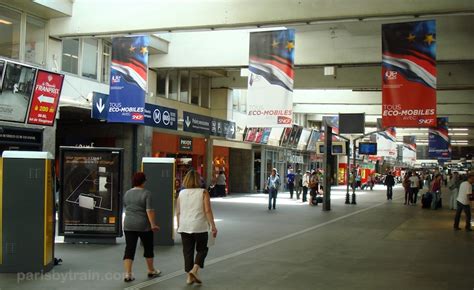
(257, 171)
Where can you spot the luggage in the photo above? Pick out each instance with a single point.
(426, 200)
(439, 204)
(317, 199)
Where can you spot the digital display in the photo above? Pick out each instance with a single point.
(368, 148)
(337, 149)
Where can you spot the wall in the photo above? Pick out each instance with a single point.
(240, 174)
(221, 103)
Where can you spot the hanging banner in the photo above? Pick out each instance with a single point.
(409, 74)
(386, 143)
(128, 79)
(409, 149)
(270, 84)
(439, 146)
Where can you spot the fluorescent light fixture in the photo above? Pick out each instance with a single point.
(458, 129)
(3, 21)
(459, 134)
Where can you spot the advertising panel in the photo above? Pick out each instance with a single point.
(386, 143)
(312, 140)
(409, 149)
(45, 98)
(409, 74)
(266, 135)
(128, 79)
(91, 187)
(439, 144)
(18, 83)
(270, 84)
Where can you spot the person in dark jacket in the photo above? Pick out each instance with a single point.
(389, 182)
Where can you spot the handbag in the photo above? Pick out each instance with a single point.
(470, 197)
(265, 190)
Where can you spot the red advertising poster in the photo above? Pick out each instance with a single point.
(45, 98)
(409, 74)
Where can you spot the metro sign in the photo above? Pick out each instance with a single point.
(45, 98)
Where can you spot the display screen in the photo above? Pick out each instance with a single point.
(321, 149)
(90, 199)
(351, 123)
(337, 149)
(368, 148)
(17, 86)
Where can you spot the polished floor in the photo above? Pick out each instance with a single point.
(376, 244)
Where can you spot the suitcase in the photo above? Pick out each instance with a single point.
(426, 200)
(317, 199)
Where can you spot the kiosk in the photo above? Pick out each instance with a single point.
(160, 175)
(26, 212)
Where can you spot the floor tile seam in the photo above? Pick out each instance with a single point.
(256, 247)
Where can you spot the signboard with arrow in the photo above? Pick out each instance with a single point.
(208, 126)
(45, 99)
(100, 106)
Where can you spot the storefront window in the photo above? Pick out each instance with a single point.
(35, 40)
(70, 55)
(9, 33)
(205, 92)
(161, 84)
(184, 86)
(89, 58)
(173, 85)
(106, 61)
(194, 89)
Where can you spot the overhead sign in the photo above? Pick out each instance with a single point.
(208, 126)
(270, 84)
(12, 135)
(161, 117)
(100, 106)
(185, 143)
(128, 79)
(45, 98)
(409, 74)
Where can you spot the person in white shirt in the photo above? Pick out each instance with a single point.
(414, 187)
(195, 217)
(306, 184)
(463, 204)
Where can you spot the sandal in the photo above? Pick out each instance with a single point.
(128, 278)
(154, 274)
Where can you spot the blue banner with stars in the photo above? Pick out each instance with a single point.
(128, 79)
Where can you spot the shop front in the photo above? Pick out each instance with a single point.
(189, 152)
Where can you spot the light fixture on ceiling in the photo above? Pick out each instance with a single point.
(3, 21)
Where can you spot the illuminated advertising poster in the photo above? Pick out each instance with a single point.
(409, 74)
(17, 87)
(128, 79)
(387, 143)
(266, 135)
(91, 187)
(439, 142)
(312, 140)
(45, 98)
(270, 83)
(409, 149)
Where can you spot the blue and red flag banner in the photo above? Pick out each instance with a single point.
(439, 143)
(128, 79)
(387, 143)
(409, 149)
(270, 83)
(409, 74)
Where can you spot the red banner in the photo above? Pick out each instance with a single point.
(45, 98)
(409, 74)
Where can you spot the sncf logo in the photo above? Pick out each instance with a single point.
(425, 121)
(391, 75)
(137, 116)
(284, 120)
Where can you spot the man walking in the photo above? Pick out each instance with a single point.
(291, 182)
(298, 183)
(273, 184)
(465, 190)
(389, 182)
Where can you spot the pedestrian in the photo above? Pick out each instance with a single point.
(463, 202)
(221, 184)
(298, 183)
(195, 219)
(436, 190)
(273, 184)
(306, 176)
(313, 186)
(389, 182)
(406, 187)
(414, 187)
(290, 182)
(453, 185)
(140, 223)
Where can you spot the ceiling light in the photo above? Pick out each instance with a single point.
(458, 129)
(3, 21)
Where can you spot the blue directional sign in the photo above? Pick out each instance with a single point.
(100, 106)
(208, 126)
(161, 117)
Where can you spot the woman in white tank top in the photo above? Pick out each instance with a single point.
(195, 217)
